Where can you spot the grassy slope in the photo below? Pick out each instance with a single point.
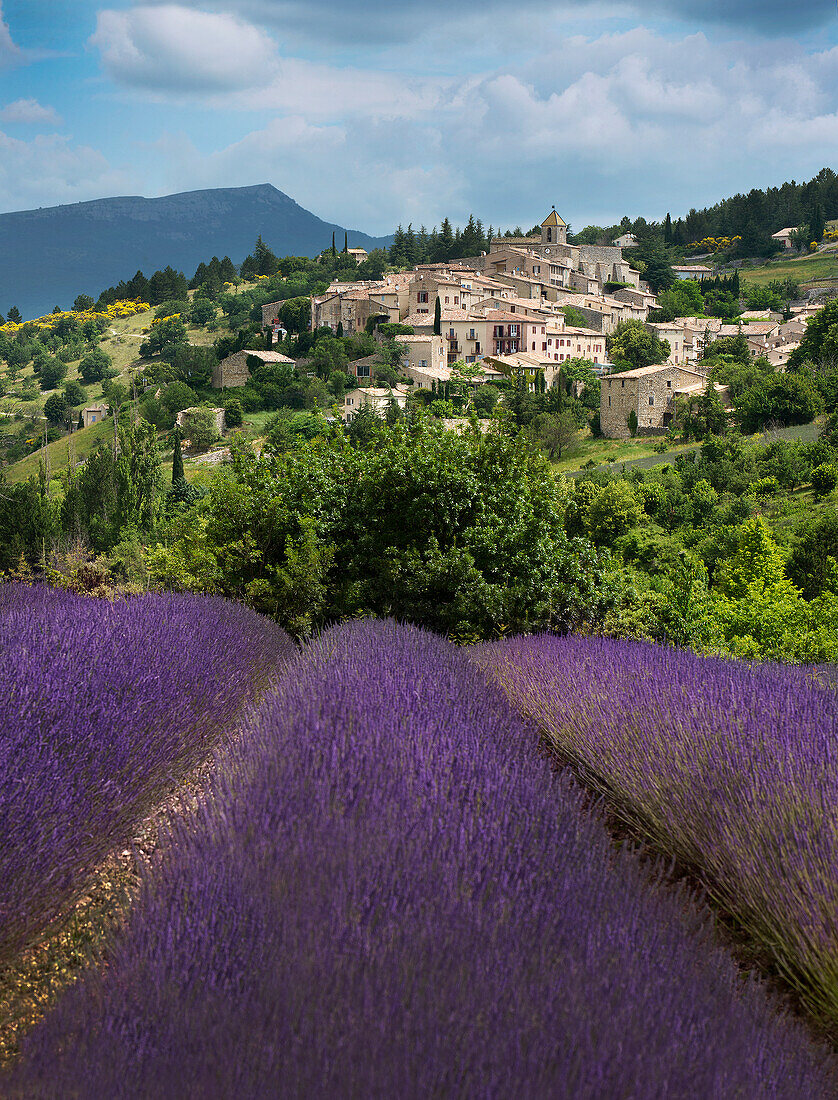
(82, 442)
(621, 450)
(820, 266)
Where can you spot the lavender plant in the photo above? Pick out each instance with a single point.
(391, 894)
(727, 766)
(103, 708)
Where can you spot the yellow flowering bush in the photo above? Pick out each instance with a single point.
(114, 311)
(713, 244)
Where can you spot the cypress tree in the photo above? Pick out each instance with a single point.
(177, 460)
(667, 230)
(334, 250)
(339, 332)
(345, 242)
(437, 317)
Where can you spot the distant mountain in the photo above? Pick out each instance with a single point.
(49, 256)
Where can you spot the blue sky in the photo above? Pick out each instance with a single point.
(370, 112)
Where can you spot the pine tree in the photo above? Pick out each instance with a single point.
(437, 317)
(177, 460)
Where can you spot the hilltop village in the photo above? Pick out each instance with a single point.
(521, 310)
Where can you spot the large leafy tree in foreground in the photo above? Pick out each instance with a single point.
(456, 532)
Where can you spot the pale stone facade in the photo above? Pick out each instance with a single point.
(648, 392)
(93, 414)
(422, 357)
(377, 397)
(234, 371)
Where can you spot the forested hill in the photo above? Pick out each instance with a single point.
(757, 215)
(49, 256)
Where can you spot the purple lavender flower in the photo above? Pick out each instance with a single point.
(390, 893)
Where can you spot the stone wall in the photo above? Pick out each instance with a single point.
(649, 394)
(232, 371)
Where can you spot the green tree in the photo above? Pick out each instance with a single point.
(177, 459)
(56, 409)
(233, 412)
(779, 399)
(83, 303)
(74, 393)
(437, 317)
(634, 344)
(202, 312)
(94, 366)
(555, 432)
(165, 339)
(824, 478)
(14, 316)
(199, 427)
(52, 372)
(177, 396)
(613, 512)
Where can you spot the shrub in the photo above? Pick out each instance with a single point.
(824, 478)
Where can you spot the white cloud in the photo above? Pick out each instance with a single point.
(10, 54)
(175, 48)
(349, 172)
(30, 111)
(49, 170)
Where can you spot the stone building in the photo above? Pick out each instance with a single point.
(649, 393)
(234, 371)
(378, 398)
(421, 353)
(94, 413)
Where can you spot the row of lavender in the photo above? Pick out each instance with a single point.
(391, 893)
(731, 768)
(103, 708)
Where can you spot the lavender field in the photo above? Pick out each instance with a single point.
(391, 893)
(731, 768)
(103, 709)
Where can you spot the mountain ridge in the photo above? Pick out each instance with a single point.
(51, 254)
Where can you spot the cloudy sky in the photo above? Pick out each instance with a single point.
(373, 112)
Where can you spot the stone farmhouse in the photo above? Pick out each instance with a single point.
(649, 393)
(379, 398)
(94, 413)
(784, 236)
(234, 371)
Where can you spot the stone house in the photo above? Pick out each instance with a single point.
(378, 398)
(234, 371)
(784, 236)
(94, 413)
(358, 254)
(363, 368)
(649, 393)
(421, 354)
(692, 271)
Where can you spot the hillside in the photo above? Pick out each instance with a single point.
(49, 256)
